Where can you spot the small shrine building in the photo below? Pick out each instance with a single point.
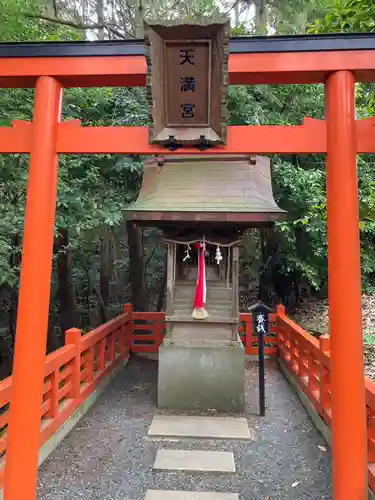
(204, 205)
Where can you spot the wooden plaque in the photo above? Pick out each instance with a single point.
(187, 80)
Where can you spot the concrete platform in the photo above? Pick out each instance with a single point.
(194, 460)
(200, 427)
(201, 375)
(188, 495)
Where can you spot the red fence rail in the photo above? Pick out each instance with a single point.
(71, 374)
(308, 360)
(148, 330)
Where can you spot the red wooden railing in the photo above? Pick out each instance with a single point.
(148, 331)
(71, 374)
(308, 360)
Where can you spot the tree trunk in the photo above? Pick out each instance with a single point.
(105, 272)
(267, 292)
(54, 340)
(51, 8)
(15, 262)
(117, 277)
(136, 267)
(138, 19)
(100, 16)
(112, 13)
(68, 317)
(236, 14)
(161, 295)
(84, 16)
(260, 17)
(88, 299)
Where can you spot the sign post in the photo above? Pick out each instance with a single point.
(260, 316)
(187, 80)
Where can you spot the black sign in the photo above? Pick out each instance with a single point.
(260, 322)
(260, 319)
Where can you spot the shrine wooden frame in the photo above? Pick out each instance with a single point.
(337, 61)
(161, 40)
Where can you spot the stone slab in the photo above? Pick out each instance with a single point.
(200, 427)
(194, 460)
(201, 375)
(189, 495)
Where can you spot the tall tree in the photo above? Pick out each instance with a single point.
(136, 267)
(68, 317)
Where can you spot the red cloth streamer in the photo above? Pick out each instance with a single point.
(200, 291)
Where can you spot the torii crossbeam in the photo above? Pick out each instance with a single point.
(338, 61)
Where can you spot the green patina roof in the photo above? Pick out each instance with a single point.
(207, 184)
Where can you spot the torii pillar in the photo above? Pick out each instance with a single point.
(345, 306)
(23, 442)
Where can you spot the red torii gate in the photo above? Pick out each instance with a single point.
(336, 61)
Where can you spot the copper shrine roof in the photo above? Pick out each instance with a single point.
(202, 188)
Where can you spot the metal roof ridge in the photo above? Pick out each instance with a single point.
(237, 45)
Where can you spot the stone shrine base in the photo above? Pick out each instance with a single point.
(201, 375)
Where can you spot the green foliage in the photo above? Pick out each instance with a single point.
(203, 8)
(275, 105)
(301, 191)
(19, 22)
(369, 337)
(345, 16)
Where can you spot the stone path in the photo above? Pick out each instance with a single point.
(199, 427)
(188, 495)
(194, 460)
(126, 449)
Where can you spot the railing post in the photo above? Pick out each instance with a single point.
(325, 347)
(280, 310)
(90, 364)
(280, 342)
(128, 309)
(249, 334)
(73, 337)
(314, 373)
(53, 412)
(128, 329)
(280, 313)
(325, 342)
(101, 361)
(111, 348)
(158, 333)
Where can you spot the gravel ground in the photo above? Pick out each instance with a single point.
(108, 456)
